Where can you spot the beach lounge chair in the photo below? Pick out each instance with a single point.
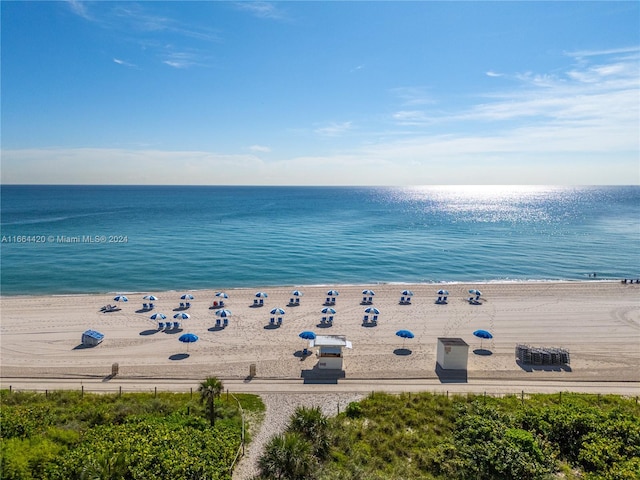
(225, 322)
(261, 302)
(327, 301)
(439, 300)
(365, 319)
(221, 303)
(375, 319)
(255, 302)
(333, 300)
(444, 299)
(151, 306)
(330, 319)
(160, 325)
(402, 300)
(297, 300)
(364, 299)
(323, 320)
(408, 301)
(291, 302)
(181, 304)
(145, 306)
(218, 322)
(187, 305)
(272, 321)
(279, 320)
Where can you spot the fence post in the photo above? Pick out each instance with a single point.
(155, 392)
(10, 392)
(81, 391)
(120, 391)
(560, 396)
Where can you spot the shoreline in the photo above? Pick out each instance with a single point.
(328, 285)
(598, 321)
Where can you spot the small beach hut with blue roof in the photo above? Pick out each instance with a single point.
(91, 338)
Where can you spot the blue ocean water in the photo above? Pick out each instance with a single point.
(94, 239)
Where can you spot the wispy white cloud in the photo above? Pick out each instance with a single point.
(412, 96)
(260, 148)
(491, 73)
(123, 63)
(79, 8)
(262, 9)
(334, 129)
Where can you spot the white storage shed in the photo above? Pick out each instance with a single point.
(452, 353)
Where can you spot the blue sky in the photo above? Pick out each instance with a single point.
(321, 93)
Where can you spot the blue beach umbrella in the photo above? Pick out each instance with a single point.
(221, 295)
(372, 310)
(307, 335)
(261, 295)
(404, 334)
(482, 334)
(297, 293)
(223, 313)
(407, 293)
(329, 310)
(182, 316)
(368, 292)
(158, 316)
(277, 311)
(153, 298)
(188, 338)
(333, 293)
(120, 298)
(186, 296)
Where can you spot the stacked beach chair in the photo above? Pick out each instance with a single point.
(529, 355)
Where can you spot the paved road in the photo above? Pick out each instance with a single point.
(262, 386)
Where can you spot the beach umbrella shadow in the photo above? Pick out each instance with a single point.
(271, 326)
(483, 352)
(324, 325)
(402, 352)
(148, 332)
(216, 328)
(179, 356)
(82, 346)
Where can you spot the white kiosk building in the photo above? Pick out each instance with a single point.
(330, 350)
(452, 353)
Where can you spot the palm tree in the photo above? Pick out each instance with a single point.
(209, 390)
(287, 456)
(313, 425)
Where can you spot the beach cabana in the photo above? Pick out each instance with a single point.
(330, 350)
(452, 353)
(91, 338)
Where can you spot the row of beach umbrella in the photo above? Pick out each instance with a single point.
(297, 293)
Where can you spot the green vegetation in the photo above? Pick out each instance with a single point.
(425, 436)
(67, 435)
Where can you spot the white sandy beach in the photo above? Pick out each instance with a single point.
(598, 322)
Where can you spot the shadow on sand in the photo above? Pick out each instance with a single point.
(179, 356)
(321, 376)
(215, 329)
(173, 331)
(402, 351)
(302, 355)
(483, 351)
(543, 368)
(149, 332)
(82, 346)
(451, 376)
(324, 325)
(271, 326)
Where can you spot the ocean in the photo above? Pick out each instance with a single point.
(98, 239)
